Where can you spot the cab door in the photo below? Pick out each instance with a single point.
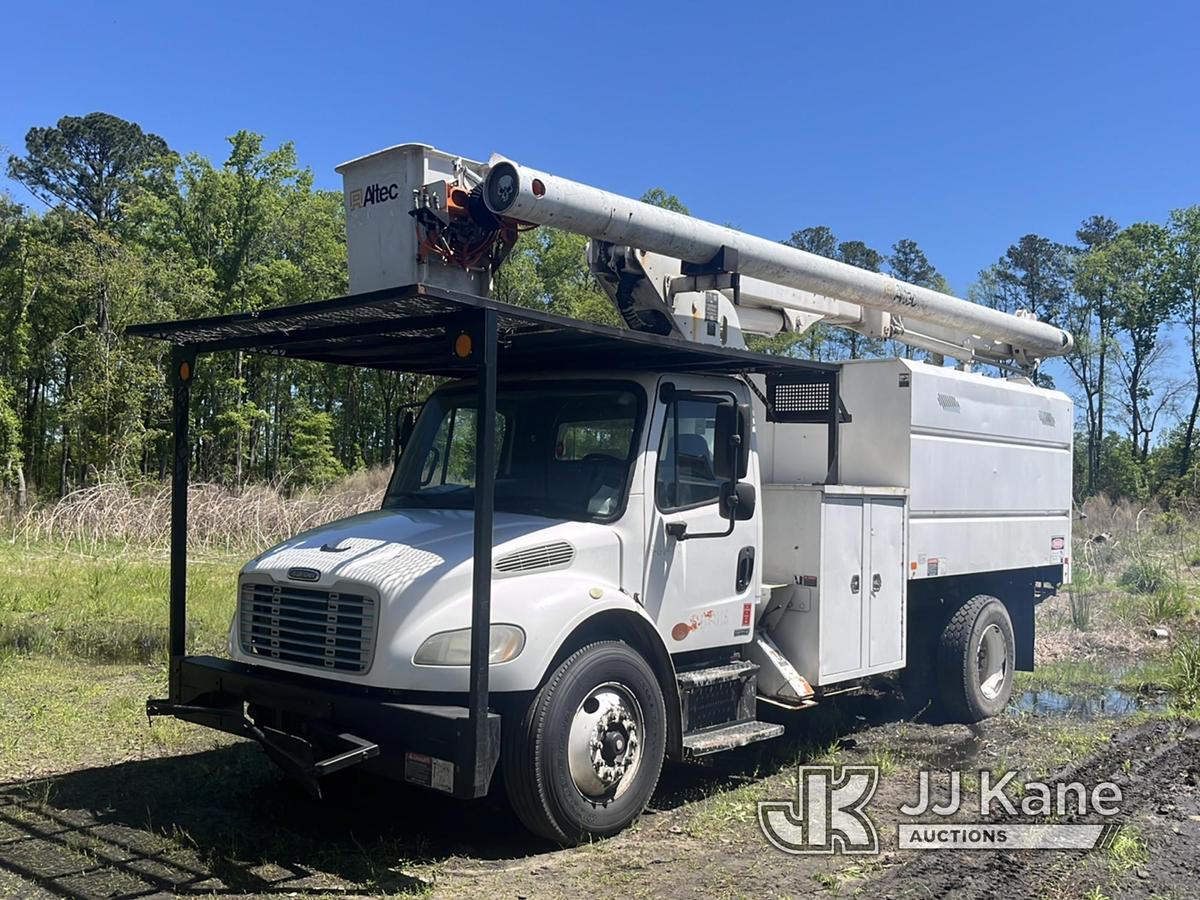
(700, 590)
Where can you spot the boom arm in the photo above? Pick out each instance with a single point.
(775, 287)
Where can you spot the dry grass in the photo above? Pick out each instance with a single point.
(112, 516)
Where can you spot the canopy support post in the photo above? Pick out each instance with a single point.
(482, 757)
(183, 369)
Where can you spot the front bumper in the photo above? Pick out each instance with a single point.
(312, 727)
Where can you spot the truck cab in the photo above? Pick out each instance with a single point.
(591, 468)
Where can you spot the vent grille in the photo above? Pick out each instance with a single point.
(323, 629)
(804, 397)
(554, 555)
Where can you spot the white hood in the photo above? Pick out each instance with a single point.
(391, 550)
(418, 562)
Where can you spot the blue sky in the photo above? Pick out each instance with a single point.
(962, 126)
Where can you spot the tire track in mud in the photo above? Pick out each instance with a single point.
(1156, 765)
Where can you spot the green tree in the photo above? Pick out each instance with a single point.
(1034, 275)
(659, 197)
(818, 239)
(309, 455)
(255, 232)
(12, 457)
(1139, 257)
(1184, 228)
(93, 164)
(909, 263)
(1089, 319)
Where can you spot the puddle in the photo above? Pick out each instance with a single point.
(957, 753)
(1104, 704)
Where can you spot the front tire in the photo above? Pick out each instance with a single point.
(584, 759)
(977, 660)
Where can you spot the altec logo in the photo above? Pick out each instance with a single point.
(373, 194)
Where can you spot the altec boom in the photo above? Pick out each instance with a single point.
(533, 196)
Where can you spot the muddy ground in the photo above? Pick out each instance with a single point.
(222, 821)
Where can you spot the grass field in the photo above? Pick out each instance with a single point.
(83, 643)
(107, 607)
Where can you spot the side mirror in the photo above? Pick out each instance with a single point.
(731, 443)
(738, 500)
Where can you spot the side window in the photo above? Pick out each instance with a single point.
(451, 457)
(576, 440)
(685, 474)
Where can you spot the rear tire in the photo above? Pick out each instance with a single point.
(976, 660)
(583, 760)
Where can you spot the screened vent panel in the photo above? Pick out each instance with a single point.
(801, 397)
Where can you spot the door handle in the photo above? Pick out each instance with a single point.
(854, 584)
(745, 569)
(876, 583)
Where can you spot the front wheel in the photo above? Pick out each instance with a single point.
(977, 660)
(584, 759)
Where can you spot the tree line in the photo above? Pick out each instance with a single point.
(135, 231)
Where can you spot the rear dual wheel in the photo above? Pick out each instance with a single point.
(584, 759)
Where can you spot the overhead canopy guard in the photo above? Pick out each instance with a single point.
(415, 329)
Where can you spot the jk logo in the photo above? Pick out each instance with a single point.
(827, 815)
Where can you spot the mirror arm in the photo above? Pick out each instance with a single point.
(678, 530)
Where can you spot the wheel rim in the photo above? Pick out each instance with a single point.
(992, 660)
(604, 751)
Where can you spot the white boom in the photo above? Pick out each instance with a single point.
(800, 287)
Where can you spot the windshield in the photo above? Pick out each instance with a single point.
(562, 450)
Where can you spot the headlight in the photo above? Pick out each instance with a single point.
(453, 648)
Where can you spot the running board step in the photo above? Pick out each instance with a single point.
(728, 738)
(736, 670)
(718, 696)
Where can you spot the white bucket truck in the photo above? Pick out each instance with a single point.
(602, 548)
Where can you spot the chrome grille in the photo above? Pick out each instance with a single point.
(543, 556)
(324, 629)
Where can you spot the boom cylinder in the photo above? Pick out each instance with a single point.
(543, 199)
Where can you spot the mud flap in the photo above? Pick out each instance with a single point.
(778, 680)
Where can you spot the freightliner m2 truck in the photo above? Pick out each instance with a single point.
(602, 548)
